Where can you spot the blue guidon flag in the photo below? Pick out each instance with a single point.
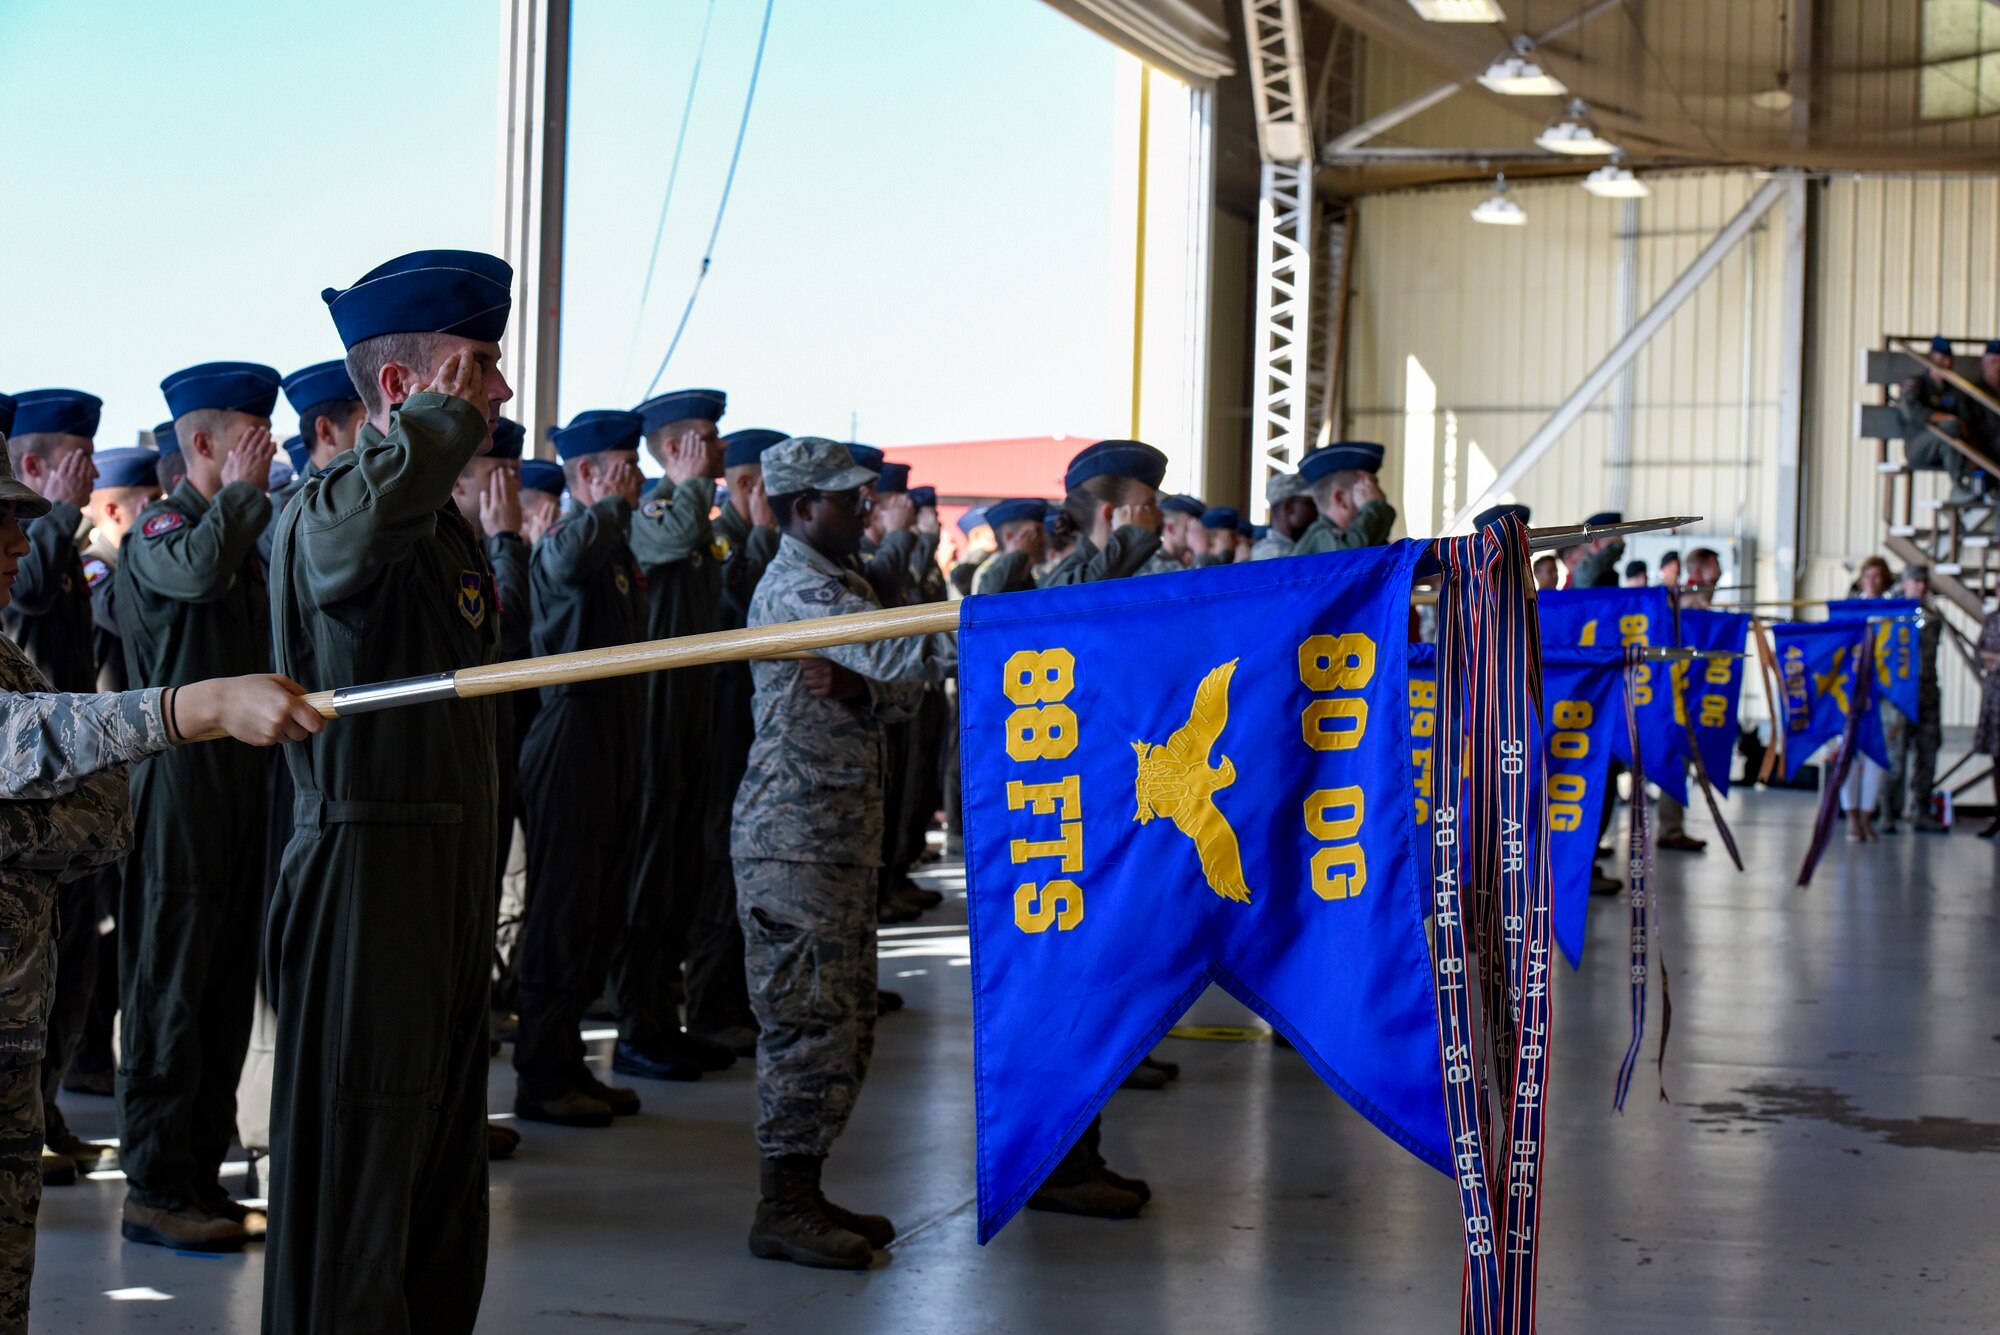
(1620, 619)
(1214, 778)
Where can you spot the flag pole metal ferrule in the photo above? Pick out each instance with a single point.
(388, 694)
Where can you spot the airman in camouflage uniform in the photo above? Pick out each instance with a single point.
(1353, 513)
(1289, 496)
(807, 842)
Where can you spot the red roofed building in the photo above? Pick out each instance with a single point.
(974, 472)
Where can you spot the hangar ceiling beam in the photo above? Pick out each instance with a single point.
(1283, 328)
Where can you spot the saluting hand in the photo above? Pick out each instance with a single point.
(927, 522)
(828, 680)
(1145, 515)
(759, 502)
(69, 481)
(500, 503)
(261, 710)
(687, 457)
(895, 512)
(621, 477)
(250, 459)
(534, 524)
(1367, 488)
(462, 377)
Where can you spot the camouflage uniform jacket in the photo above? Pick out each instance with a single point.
(1270, 547)
(1128, 552)
(63, 813)
(812, 791)
(1370, 528)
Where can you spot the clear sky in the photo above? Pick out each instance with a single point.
(920, 233)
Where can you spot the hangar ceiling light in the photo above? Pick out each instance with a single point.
(1499, 208)
(1519, 76)
(1458, 11)
(1573, 133)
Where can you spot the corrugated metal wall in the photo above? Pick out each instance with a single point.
(1505, 321)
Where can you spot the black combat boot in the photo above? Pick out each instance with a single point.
(791, 1226)
(876, 1229)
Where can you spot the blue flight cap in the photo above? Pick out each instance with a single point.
(6, 414)
(322, 382)
(683, 405)
(865, 456)
(541, 475)
(1992, 347)
(974, 518)
(1259, 532)
(1343, 456)
(282, 472)
(295, 450)
(1244, 528)
(1219, 516)
(1117, 458)
(462, 292)
(233, 387)
(924, 498)
(165, 441)
(748, 445)
(128, 466)
(508, 437)
(1939, 343)
(1014, 511)
(892, 479)
(1190, 506)
(65, 412)
(598, 430)
(1494, 513)
(1604, 517)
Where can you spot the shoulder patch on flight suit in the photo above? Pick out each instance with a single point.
(618, 578)
(472, 598)
(656, 507)
(165, 522)
(95, 571)
(720, 548)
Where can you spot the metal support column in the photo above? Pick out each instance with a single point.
(1283, 330)
(1791, 383)
(1641, 333)
(534, 152)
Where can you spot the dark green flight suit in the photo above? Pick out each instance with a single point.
(49, 617)
(191, 606)
(1125, 552)
(379, 944)
(1370, 528)
(923, 792)
(1007, 572)
(580, 785)
(886, 566)
(718, 995)
(507, 559)
(668, 905)
(280, 775)
(90, 1057)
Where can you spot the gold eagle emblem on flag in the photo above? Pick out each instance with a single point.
(1176, 782)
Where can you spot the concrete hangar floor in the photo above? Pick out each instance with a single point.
(1827, 1163)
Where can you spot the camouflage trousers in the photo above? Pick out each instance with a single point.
(809, 951)
(1913, 753)
(20, 1189)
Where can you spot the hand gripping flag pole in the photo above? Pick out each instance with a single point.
(789, 640)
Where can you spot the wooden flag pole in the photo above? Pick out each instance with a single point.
(790, 639)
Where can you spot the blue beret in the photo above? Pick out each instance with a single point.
(923, 497)
(1494, 513)
(892, 479)
(748, 445)
(1190, 506)
(296, 451)
(973, 518)
(1117, 458)
(508, 437)
(235, 387)
(165, 441)
(683, 405)
(597, 430)
(128, 466)
(66, 412)
(541, 475)
(1603, 517)
(1219, 516)
(865, 456)
(1939, 343)
(6, 414)
(322, 382)
(1014, 511)
(462, 292)
(1343, 456)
